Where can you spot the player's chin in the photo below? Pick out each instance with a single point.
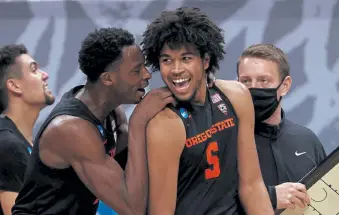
(136, 101)
(137, 98)
(49, 99)
(183, 97)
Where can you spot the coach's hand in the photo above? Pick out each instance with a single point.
(154, 101)
(290, 195)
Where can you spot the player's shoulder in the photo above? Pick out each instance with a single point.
(237, 93)
(63, 125)
(9, 141)
(231, 87)
(166, 120)
(166, 129)
(167, 115)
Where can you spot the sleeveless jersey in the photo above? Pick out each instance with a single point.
(208, 176)
(60, 191)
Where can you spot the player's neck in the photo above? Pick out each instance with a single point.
(95, 98)
(275, 119)
(24, 117)
(200, 96)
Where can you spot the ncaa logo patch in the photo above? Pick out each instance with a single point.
(29, 150)
(101, 130)
(222, 107)
(183, 113)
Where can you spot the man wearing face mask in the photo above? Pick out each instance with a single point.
(287, 151)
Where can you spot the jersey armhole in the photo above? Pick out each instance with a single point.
(183, 114)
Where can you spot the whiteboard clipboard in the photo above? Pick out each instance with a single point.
(322, 185)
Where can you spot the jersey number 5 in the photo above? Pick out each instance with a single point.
(213, 160)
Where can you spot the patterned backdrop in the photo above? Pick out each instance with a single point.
(305, 30)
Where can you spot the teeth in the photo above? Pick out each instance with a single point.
(180, 80)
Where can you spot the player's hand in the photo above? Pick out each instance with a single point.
(290, 195)
(210, 79)
(154, 101)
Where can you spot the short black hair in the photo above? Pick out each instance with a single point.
(101, 48)
(8, 55)
(180, 27)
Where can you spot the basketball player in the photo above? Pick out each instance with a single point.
(201, 153)
(71, 166)
(23, 93)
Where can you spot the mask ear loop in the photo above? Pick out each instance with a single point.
(278, 88)
(282, 81)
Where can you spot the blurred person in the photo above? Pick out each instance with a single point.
(23, 93)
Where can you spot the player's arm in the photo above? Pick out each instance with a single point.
(165, 141)
(121, 152)
(79, 143)
(252, 191)
(7, 200)
(122, 129)
(12, 170)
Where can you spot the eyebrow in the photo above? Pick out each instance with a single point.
(34, 63)
(138, 66)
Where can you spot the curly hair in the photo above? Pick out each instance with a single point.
(180, 27)
(8, 55)
(101, 48)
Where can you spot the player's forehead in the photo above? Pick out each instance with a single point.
(132, 53)
(171, 49)
(24, 62)
(131, 57)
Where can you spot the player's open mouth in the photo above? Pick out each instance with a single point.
(181, 84)
(142, 90)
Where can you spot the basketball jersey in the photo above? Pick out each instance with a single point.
(60, 191)
(208, 175)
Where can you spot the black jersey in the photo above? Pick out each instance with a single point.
(208, 175)
(60, 191)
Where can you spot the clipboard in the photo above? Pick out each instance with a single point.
(322, 184)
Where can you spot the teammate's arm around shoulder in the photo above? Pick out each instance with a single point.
(252, 191)
(165, 141)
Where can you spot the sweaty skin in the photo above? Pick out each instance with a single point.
(165, 142)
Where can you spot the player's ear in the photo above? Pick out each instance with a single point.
(106, 78)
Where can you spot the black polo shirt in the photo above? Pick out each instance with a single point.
(287, 152)
(14, 153)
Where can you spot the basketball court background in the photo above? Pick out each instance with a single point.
(306, 30)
